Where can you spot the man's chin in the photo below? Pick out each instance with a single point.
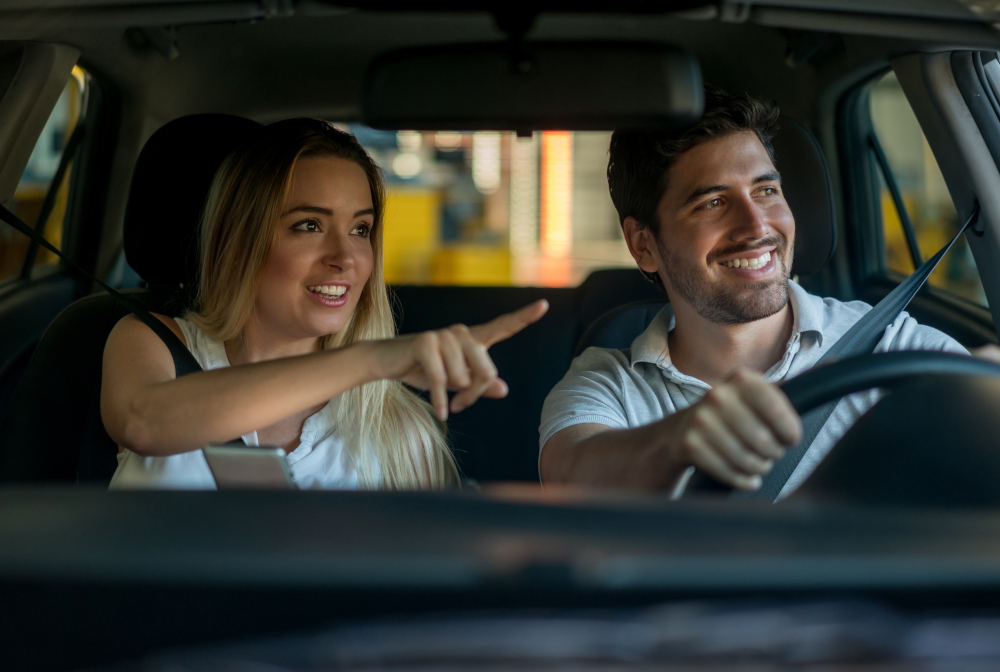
(747, 308)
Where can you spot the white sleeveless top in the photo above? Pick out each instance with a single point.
(321, 459)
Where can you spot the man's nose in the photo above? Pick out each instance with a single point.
(750, 222)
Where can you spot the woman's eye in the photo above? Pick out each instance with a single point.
(363, 230)
(308, 225)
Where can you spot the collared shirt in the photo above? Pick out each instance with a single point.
(321, 460)
(640, 385)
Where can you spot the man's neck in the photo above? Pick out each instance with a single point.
(712, 352)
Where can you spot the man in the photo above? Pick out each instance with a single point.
(704, 217)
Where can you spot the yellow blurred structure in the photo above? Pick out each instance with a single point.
(412, 222)
(413, 253)
(471, 265)
(931, 237)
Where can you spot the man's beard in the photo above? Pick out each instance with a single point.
(734, 302)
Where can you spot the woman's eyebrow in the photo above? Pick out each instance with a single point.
(327, 211)
(311, 208)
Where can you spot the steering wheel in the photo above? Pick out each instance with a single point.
(887, 370)
(890, 371)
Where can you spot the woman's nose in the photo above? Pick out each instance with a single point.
(337, 252)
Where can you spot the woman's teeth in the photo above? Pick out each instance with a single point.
(331, 291)
(759, 262)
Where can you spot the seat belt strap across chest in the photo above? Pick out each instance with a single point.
(184, 361)
(860, 339)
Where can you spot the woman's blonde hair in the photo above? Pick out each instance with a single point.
(391, 432)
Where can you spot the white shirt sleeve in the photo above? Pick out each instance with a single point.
(590, 392)
(905, 333)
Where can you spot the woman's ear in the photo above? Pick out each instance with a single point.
(641, 244)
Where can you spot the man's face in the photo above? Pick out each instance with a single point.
(726, 233)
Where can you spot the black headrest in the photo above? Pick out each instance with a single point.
(806, 183)
(169, 186)
(618, 327)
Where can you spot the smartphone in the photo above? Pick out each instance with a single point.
(249, 468)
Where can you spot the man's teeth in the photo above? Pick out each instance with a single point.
(332, 291)
(759, 262)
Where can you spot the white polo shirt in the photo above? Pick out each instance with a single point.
(640, 385)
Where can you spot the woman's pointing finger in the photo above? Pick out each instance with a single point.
(505, 326)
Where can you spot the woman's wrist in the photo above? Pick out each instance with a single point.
(363, 361)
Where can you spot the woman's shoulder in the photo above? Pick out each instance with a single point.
(133, 327)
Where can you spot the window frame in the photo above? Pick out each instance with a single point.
(861, 171)
(86, 193)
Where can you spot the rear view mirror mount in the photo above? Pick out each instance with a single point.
(525, 86)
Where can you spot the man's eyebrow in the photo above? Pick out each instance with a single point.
(768, 177)
(702, 191)
(698, 193)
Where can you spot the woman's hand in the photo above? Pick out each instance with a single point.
(453, 359)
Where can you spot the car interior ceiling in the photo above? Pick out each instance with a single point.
(243, 69)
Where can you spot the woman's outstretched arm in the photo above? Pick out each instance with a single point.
(147, 410)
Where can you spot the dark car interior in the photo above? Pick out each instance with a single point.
(171, 87)
(494, 440)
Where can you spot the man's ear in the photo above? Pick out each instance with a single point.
(641, 244)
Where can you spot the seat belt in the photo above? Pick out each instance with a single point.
(184, 361)
(860, 339)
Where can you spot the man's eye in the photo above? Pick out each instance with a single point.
(769, 191)
(712, 204)
(308, 225)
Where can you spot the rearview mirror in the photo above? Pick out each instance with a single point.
(534, 86)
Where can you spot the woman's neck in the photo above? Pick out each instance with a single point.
(256, 344)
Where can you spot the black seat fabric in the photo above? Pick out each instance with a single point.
(618, 327)
(497, 439)
(809, 192)
(53, 430)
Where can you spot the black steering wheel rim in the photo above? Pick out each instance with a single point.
(885, 370)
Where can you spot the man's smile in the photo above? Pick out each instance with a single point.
(752, 262)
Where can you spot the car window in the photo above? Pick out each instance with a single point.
(490, 208)
(39, 190)
(913, 170)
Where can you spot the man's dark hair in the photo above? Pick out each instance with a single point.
(640, 158)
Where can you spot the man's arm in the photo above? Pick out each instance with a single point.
(734, 434)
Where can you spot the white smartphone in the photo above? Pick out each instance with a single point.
(249, 468)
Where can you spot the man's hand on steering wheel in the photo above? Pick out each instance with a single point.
(737, 431)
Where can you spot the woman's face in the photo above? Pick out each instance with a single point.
(321, 256)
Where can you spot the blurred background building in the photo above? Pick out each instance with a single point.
(490, 208)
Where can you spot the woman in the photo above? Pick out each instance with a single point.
(291, 295)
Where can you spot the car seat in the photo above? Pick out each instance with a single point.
(53, 429)
(807, 188)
